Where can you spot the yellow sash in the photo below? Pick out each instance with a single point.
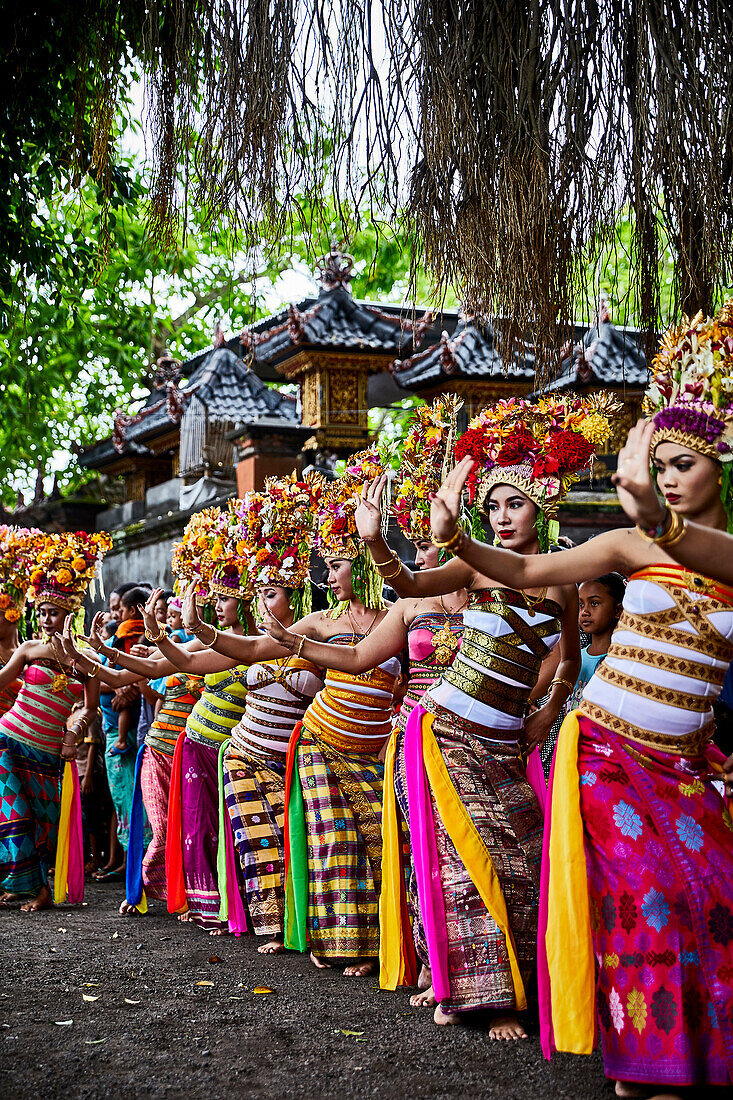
(391, 933)
(568, 939)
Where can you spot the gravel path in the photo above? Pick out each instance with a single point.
(175, 1015)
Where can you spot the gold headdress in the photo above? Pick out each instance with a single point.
(66, 564)
(192, 559)
(16, 563)
(425, 459)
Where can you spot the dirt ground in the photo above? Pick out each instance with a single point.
(95, 1005)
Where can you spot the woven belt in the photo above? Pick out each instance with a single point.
(687, 744)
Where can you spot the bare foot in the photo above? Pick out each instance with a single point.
(129, 910)
(506, 1027)
(274, 947)
(446, 1018)
(321, 964)
(426, 999)
(360, 970)
(218, 931)
(185, 916)
(7, 897)
(424, 978)
(42, 900)
(630, 1090)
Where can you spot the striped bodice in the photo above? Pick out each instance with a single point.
(432, 641)
(220, 707)
(505, 639)
(182, 692)
(39, 714)
(278, 693)
(352, 713)
(667, 660)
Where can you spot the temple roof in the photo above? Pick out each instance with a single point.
(470, 352)
(220, 381)
(603, 356)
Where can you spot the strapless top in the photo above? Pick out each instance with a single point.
(39, 714)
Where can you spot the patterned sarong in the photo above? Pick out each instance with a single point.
(200, 829)
(155, 779)
(254, 788)
(30, 793)
(659, 855)
(497, 883)
(408, 867)
(342, 794)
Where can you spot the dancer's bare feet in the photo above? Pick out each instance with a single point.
(42, 900)
(218, 931)
(184, 916)
(506, 1027)
(274, 947)
(446, 1018)
(7, 898)
(360, 970)
(129, 910)
(321, 964)
(424, 978)
(630, 1090)
(426, 999)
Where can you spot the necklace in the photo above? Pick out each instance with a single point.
(458, 609)
(354, 630)
(531, 602)
(445, 642)
(279, 669)
(60, 680)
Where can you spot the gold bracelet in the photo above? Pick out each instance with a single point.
(91, 675)
(157, 637)
(454, 543)
(214, 636)
(674, 532)
(565, 683)
(300, 646)
(395, 573)
(379, 564)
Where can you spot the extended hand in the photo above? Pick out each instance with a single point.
(189, 611)
(445, 505)
(97, 634)
(275, 629)
(152, 625)
(368, 514)
(633, 480)
(537, 727)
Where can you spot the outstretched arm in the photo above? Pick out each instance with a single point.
(240, 649)
(582, 563)
(386, 641)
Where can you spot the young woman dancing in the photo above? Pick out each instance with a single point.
(638, 843)
(34, 739)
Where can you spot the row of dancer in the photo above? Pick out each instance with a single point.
(636, 862)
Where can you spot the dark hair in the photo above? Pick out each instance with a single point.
(122, 588)
(614, 583)
(134, 596)
(166, 594)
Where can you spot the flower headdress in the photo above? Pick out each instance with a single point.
(192, 558)
(690, 398)
(336, 534)
(425, 459)
(66, 565)
(229, 570)
(16, 563)
(275, 535)
(541, 447)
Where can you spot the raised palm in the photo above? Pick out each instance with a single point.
(445, 505)
(368, 514)
(633, 480)
(189, 610)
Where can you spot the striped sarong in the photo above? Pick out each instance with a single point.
(155, 779)
(254, 788)
(30, 793)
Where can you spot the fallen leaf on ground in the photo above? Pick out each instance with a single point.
(60, 929)
(63, 1023)
(215, 959)
(88, 997)
(129, 1002)
(115, 935)
(262, 989)
(231, 999)
(93, 1042)
(90, 984)
(204, 983)
(343, 1032)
